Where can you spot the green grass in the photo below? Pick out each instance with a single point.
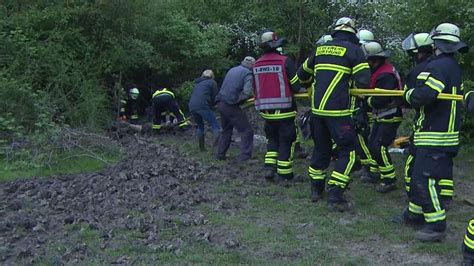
(277, 224)
(71, 164)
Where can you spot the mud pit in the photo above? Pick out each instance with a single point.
(154, 188)
(158, 200)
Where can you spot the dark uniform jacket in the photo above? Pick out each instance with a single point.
(438, 123)
(332, 66)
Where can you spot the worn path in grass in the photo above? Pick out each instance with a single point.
(168, 203)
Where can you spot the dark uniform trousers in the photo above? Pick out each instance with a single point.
(232, 116)
(341, 130)
(468, 245)
(429, 167)
(282, 137)
(163, 103)
(446, 183)
(382, 136)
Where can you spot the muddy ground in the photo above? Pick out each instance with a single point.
(158, 199)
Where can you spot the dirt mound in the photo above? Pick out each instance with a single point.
(154, 187)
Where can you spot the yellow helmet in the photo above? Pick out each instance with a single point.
(414, 41)
(345, 24)
(365, 36)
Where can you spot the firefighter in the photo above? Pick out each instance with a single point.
(419, 47)
(387, 116)
(275, 82)
(235, 90)
(436, 136)
(164, 101)
(333, 65)
(468, 244)
(129, 105)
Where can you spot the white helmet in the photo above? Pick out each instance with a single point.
(345, 24)
(365, 36)
(134, 93)
(414, 41)
(447, 38)
(372, 49)
(447, 32)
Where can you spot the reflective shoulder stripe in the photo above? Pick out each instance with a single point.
(306, 68)
(333, 67)
(294, 79)
(435, 84)
(462, 86)
(423, 75)
(360, 67)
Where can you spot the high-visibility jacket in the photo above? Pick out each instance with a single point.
(439, 121)
(275, 81)
(333, 66)
(272, 89)
(386, 109)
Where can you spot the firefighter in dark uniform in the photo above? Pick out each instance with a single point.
(164, 101)
(419, 47)
(436, 136)
(333, 65)
(129, 105)
(387, 116)
(275, 82)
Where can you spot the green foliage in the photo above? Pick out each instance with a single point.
(62, 62)
(183, 94)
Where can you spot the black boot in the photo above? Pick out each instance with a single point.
(468, 261)
(468, 257)
(370, 178)
(269, 173)
(317, 189)
(432, 232)
(409, 219)
(336, 200)
(202, 147)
